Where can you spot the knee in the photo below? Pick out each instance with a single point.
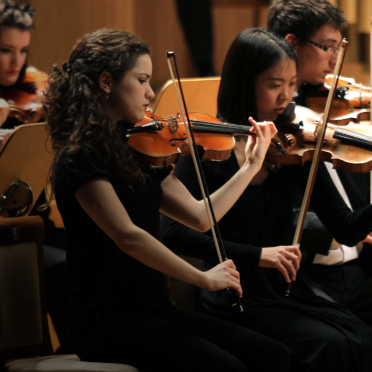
(331, 353)
(335, 346)
(269, 355)
(276, 358)
(281, 358)
(233, 366)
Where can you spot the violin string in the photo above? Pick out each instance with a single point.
(221, 124)
(239, 128)
(355, 135)
(212, 124)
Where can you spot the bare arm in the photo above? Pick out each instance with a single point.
(4, 111)
(179, 204)
(4, 135)
(100, 202)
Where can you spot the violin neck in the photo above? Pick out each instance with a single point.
(225, 128)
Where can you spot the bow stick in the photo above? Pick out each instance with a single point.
(318, 149)
(235, 300)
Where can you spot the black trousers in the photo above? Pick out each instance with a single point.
(348, 284)
(314, 346)
(320, 336)
(180, 341)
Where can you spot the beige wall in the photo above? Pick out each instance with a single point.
(59, 23)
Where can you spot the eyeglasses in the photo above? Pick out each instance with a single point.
(328, 49)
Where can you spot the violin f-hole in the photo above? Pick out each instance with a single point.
(176, 139)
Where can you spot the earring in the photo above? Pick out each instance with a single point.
(107, 96)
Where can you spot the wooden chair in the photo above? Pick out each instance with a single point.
(24, 160)
(24, 337)
(184, 295)
(200, 95)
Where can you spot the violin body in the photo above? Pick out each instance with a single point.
(352, 101)
(348, 147)
(161, 141)
(25, 106)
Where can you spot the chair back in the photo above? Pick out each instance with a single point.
(200, 95)
(184, 295)
(26, 157)
(23, 314)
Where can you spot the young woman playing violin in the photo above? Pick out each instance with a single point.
(109, 203)
(344, 274)
(20, 85)
(258, 79)
(15, 32)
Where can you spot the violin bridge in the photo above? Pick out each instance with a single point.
(172, 124)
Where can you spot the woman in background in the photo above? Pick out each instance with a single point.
(22, 86)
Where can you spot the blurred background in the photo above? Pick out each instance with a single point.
(199, 31)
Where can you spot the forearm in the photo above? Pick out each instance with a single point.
(227, 195)
(179, 203)
(145, 248)
(346, 227)
(4, 135)
(189, 242)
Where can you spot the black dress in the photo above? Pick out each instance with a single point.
(120, 310)
(320, 335)
(349, 283)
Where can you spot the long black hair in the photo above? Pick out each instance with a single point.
(254, 51)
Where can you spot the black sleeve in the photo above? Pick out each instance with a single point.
(189, 242)
(162, 173)
(79, 168)
(346, 227)
(315, 237)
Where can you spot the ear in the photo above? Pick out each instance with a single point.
(105, 82)
(292, 39)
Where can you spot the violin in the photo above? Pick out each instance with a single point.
(161, 141)
(25, 104)
(348, 147)
(29, 115)
(352, 101)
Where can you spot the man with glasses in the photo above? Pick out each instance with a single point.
(313, 28)
(339, 273)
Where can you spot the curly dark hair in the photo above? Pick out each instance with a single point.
(76, 107)
(303, 17)
(253, 52)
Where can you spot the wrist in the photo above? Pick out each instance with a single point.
(200, 279)
(248, 166)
